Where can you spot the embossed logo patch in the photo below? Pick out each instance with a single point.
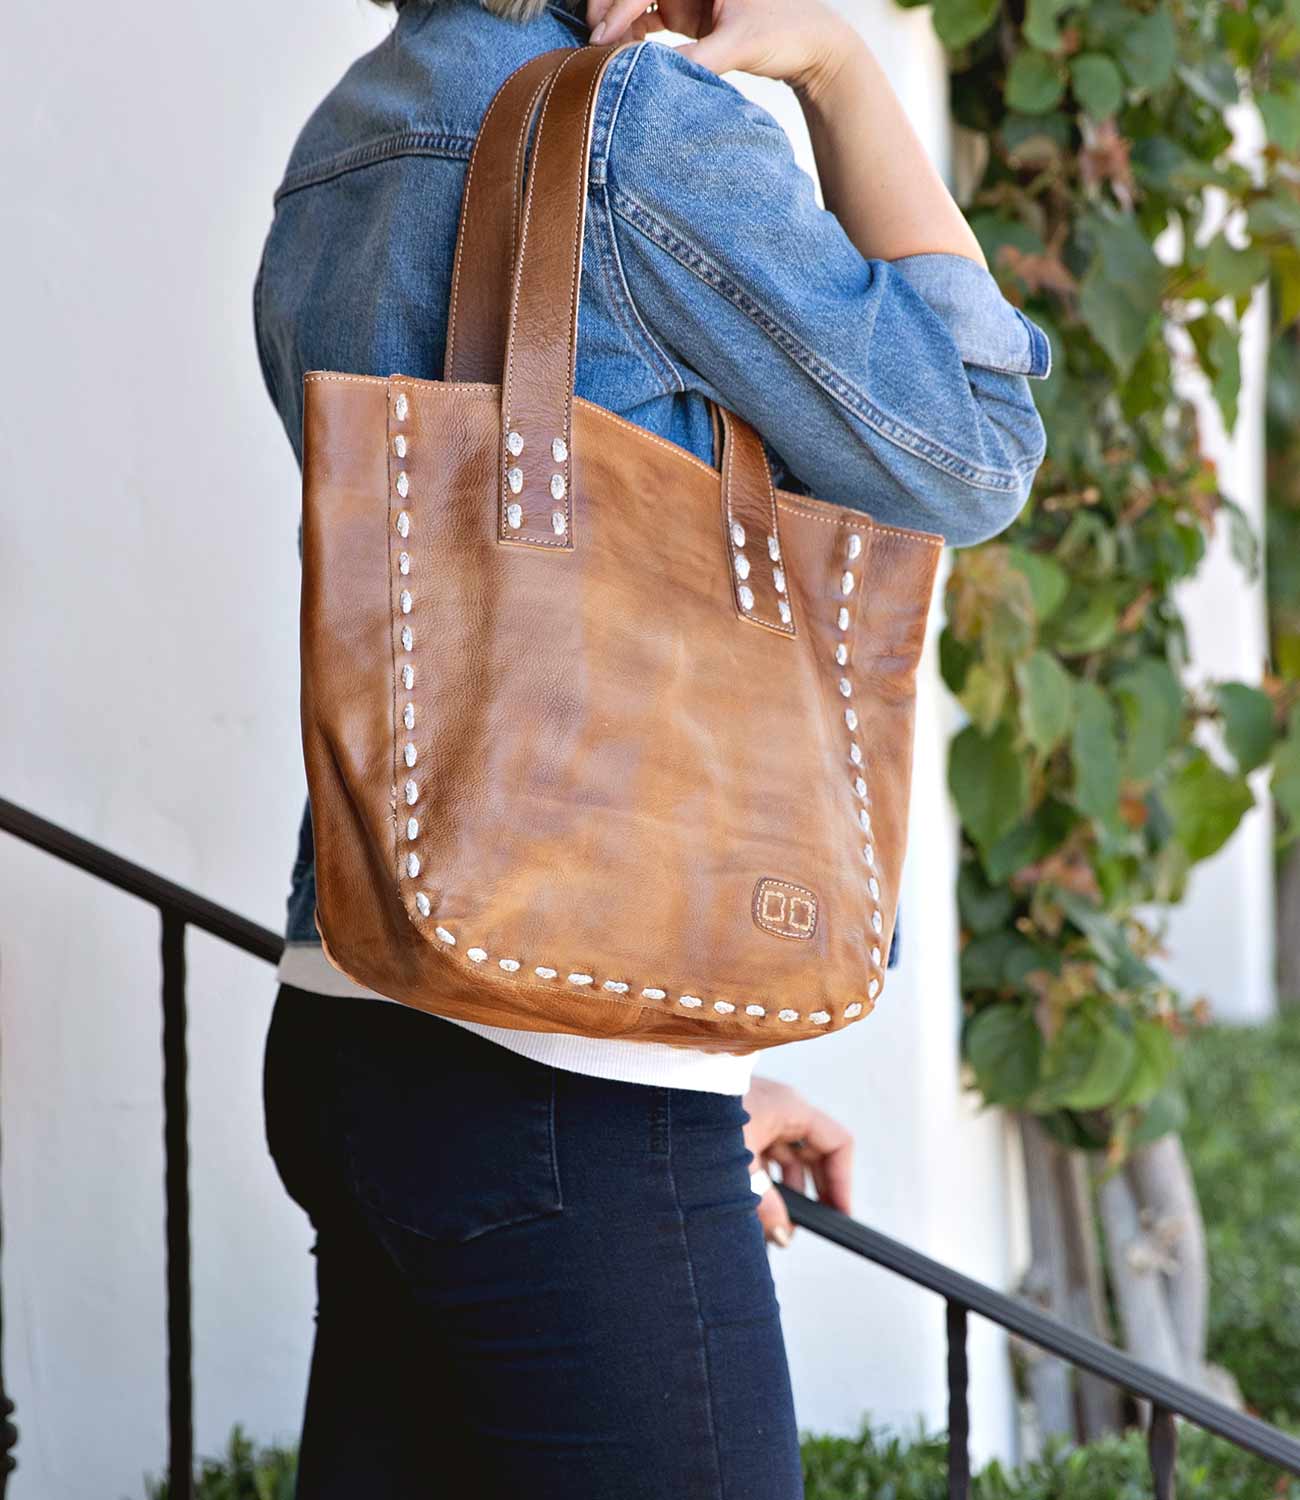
(784, 909)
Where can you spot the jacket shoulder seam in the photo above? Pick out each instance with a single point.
(635, 326)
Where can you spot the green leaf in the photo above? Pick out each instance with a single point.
(1166, 1113)
(1088, 1061)
(1035, 83)
(1095, 749)
(958, 22)
(989, 782)
(1148, 49)
(1088, 622)
(1040, 29)
(984, 908)
(1046, 701)
(955, 659)
(1151, 701)
(1119, 297)
(1030, 841)
(1280, 109)
(1005, 1048)
(1235, 270)
(1286, 774)
(984, 694)
(1108, 941)
(1153, 1062)
(1218, 347)
(1000, 960)
(1048, 580)
(1098, 84)
(1247, 724)
(1205, 804)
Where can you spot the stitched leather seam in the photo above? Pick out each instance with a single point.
(791, 628)
(469, 179)
(394, 626)
(632, 995)
(750, 616)
(508, 373)
(580, 193)
(855, 521)
(831, 380)
(847, 706)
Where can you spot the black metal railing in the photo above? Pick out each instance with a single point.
(179, 909)
(1168, 1398)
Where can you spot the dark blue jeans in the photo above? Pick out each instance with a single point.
(530, 1283)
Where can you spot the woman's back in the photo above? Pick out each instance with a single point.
(709, 272)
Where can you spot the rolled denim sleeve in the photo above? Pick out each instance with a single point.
(899, 387)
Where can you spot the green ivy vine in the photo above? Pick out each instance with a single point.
(1114, 207)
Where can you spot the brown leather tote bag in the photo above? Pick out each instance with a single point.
(600, 739)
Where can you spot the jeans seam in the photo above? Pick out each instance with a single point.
(629, 316)
(695, 1299)
(448, 144)
(831, 380)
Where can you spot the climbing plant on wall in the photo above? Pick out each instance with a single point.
(1095, 771)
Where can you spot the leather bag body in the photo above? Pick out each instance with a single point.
(600, 739)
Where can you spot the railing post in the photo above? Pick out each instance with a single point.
(958, 1405)
(1162, 1449)
(180, 1394)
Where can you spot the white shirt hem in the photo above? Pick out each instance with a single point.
(305, 967)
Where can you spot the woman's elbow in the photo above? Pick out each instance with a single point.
(980, 515)
(982, 510)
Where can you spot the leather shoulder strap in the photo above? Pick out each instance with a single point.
(541, 340)
(536, 460)
(488, 238)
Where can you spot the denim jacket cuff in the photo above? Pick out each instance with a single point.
(986, 328)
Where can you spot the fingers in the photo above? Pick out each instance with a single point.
(794, 1173)
(775, 1220)
(611, 20)
(833, 1174)
(782, 1127)
(829, 1151)
(720, 51)
(772, 1213)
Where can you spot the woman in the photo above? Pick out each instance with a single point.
(539, 1262)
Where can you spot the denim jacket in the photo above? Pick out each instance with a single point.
(709, 272)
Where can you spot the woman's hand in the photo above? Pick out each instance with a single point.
(784, 1128)
(795, 40)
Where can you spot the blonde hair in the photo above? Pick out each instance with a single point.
(510, 10)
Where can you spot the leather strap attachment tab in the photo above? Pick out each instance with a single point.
(537, 463)
(752, 531)
(488, 238)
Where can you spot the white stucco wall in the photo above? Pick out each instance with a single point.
(148, 589)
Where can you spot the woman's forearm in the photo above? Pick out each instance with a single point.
(875, 174)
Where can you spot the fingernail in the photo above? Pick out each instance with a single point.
(781, 1235)
(598, 33)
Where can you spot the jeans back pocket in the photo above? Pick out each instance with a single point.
(446, 1134)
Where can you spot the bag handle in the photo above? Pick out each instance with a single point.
(488, 237)
(535, 505)
(536, 465)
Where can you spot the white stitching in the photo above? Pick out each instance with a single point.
(795, 505)
(449, 353)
